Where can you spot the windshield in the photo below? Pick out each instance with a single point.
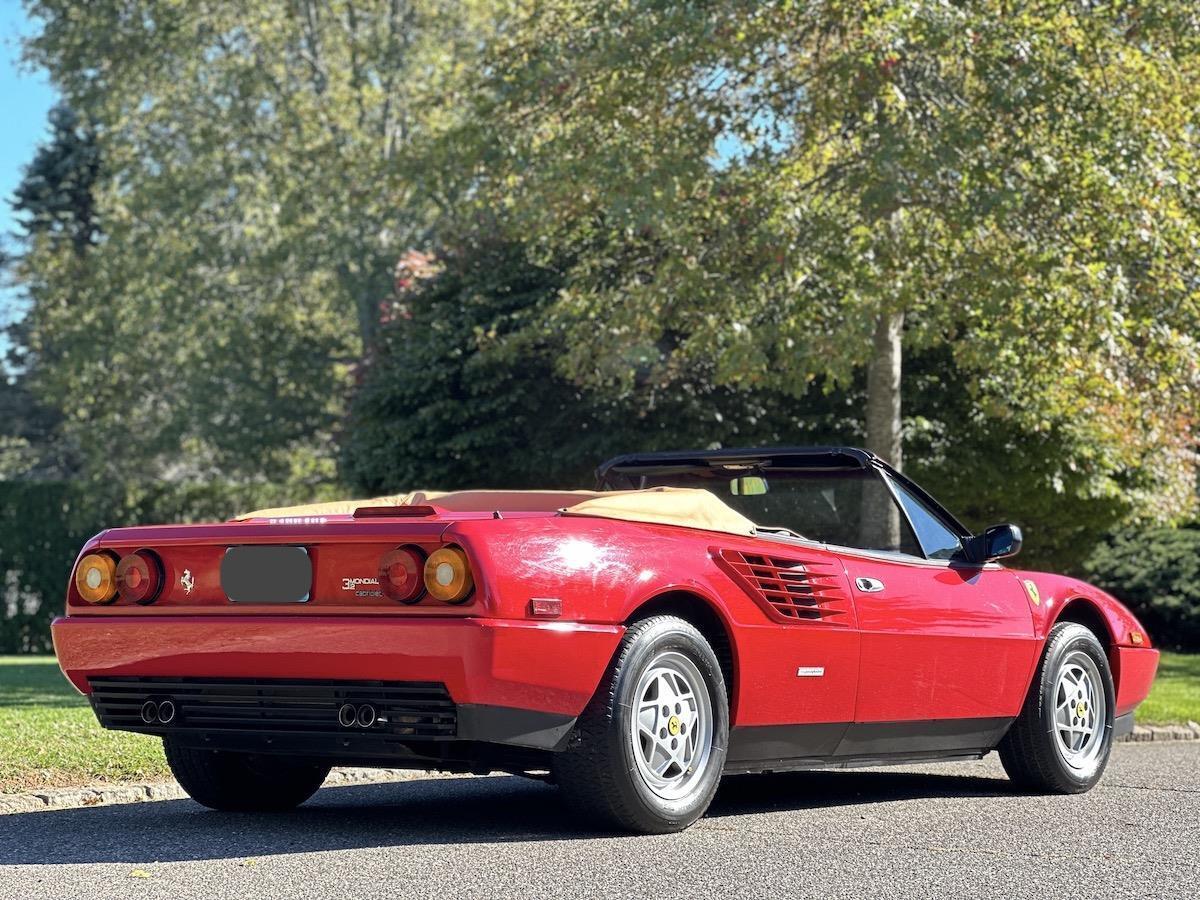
(846, 507)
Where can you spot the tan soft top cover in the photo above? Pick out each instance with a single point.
(687, 507)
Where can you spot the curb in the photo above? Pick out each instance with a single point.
(1143, 733)
(75, 798)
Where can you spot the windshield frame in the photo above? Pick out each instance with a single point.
(622, 473)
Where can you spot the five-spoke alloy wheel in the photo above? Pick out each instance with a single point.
(672, 737)
(648, 753)
(1080, 711)
(1061, 740)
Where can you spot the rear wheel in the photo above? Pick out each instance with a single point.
(243, 782)
(648, 753)
(1062, 738)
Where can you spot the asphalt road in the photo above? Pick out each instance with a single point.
(947, 830)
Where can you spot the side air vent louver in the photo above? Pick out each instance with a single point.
(795, 590)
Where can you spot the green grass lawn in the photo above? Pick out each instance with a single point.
(49, 737)
(1176, 693)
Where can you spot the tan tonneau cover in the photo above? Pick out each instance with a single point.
(689, 507)
(686, 507)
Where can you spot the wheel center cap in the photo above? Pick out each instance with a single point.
(1081, 709)
(673, 725)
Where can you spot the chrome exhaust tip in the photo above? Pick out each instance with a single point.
(366, 716)
(347, 715)
(149, 712)
(166, 712)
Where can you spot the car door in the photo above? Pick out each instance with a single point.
(946, 648)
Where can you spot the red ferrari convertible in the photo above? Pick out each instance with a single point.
(699, 614)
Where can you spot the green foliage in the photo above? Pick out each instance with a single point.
(755, 184)
(1157, 573)
(252, 208)
(990, 469)
(463, 392)
(43, 525)
(56, 194)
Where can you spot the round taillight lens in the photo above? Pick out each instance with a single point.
(400, 574)
(140, 577)
(448, 575)
(96, 578)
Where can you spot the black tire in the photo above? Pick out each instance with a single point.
(599, 773)
(243, 782)
(1032, 753)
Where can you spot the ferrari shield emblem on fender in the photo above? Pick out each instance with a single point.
(1032, 590)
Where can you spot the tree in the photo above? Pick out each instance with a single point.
(251, 203)
(56, 196)
(802, 191)
(462, 391)
(56, 210)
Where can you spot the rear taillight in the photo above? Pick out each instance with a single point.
(96, 578)
(140, 577)
(400, 574)
(448, 575)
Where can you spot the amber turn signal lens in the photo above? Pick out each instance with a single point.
(139, 577)
(400, 574)
(96, 578)
(448, 575)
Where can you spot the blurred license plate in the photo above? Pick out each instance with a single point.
(267, 574)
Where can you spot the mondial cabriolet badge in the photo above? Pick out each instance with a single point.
(187, 580)
(354, 584)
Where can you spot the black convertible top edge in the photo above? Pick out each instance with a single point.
(767, 457)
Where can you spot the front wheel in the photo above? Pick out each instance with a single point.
(243, 782)
(1063, 736)
(648, 753)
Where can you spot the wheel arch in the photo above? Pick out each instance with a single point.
(1083, 612)
(706, 616)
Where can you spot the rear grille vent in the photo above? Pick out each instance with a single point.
(269, 706)
(792, 589)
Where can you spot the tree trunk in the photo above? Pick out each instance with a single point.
(883, 390)
(881, 518)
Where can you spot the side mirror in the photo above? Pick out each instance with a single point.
(997, 542)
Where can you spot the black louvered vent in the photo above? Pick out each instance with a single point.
(794, 589)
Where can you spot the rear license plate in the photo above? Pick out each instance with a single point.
(261, 574)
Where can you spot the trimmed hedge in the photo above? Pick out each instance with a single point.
(1156, 573)
(43, 525)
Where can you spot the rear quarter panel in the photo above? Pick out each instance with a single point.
(603, 570)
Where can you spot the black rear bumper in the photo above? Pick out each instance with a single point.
(404, 723)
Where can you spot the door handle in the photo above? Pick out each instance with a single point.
(868, 585)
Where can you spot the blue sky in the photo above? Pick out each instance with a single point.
(25, 98)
